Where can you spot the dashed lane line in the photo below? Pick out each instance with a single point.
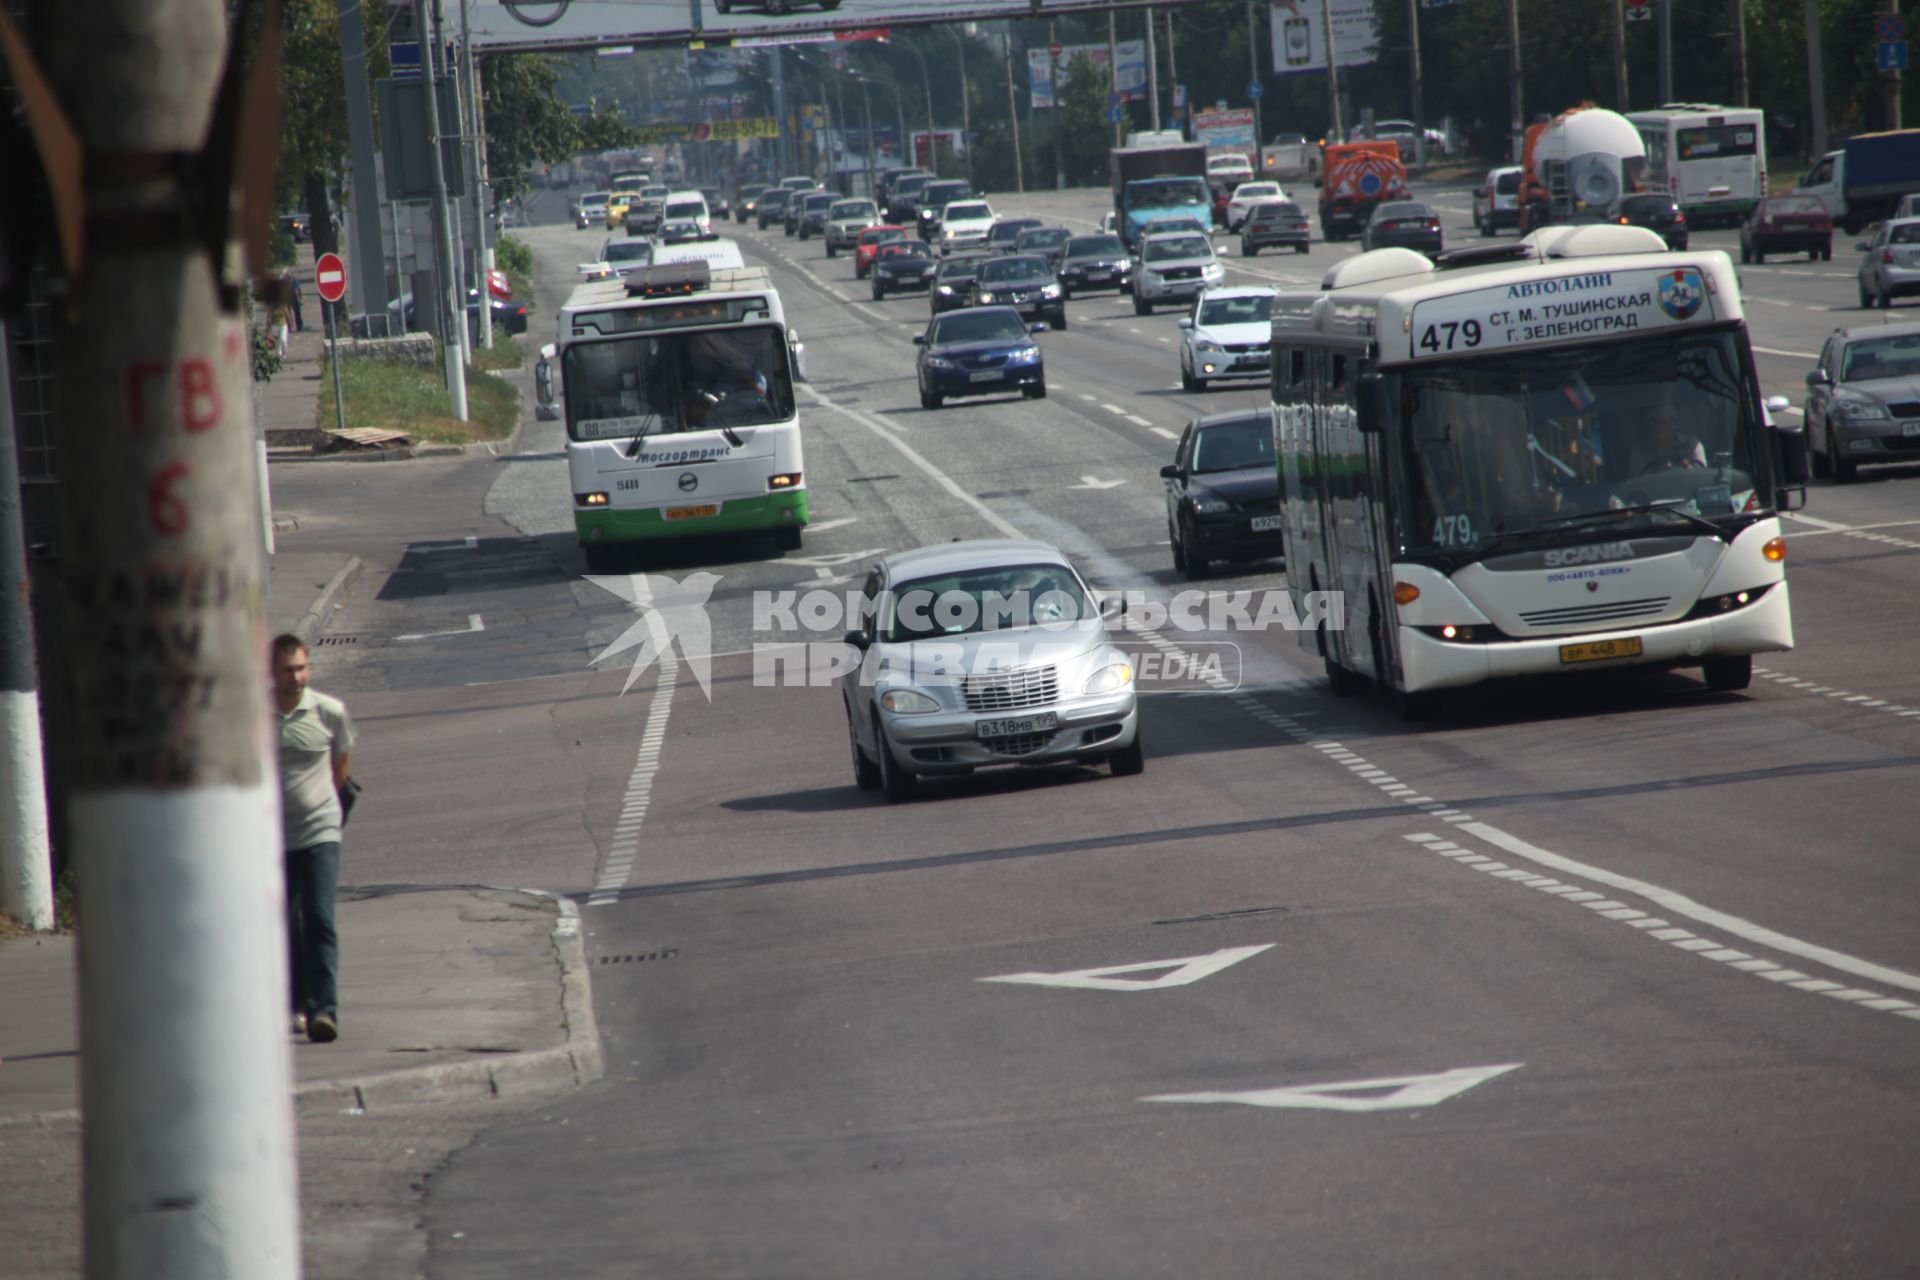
(646, 766)
(1864, 702)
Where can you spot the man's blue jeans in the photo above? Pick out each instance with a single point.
(313, 945)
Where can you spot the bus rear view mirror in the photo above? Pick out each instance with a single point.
(1371, 403)
(544, 409)
(1790, 451)
(798, 349)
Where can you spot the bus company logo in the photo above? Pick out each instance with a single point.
(1682, 292)
(688, 482)
(1597, 553)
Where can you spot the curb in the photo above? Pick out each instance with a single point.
(310, 625)
(580, 1060)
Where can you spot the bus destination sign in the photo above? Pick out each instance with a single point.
(1591, 304)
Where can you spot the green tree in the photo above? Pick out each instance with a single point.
(527, 123)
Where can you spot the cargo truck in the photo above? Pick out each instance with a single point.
(1158, 176)
(1864, 180)
(1358, 176)
(1577, 166)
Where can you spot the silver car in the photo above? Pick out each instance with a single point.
(846, 220)
(1863, 400)
(976, 654)
(1891, 266)
(1173, 266)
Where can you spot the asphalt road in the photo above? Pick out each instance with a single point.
(1628, 970)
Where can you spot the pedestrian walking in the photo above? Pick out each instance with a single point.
(316, 750)
(278, 319)
(299, 320)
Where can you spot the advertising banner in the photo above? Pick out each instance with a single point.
(708, 131)
(1133, 70)
(1300, 37)
(1230, 128)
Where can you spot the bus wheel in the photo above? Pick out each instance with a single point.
(1725, 675)
(1413, 707)
(787, 537)
(601, 558)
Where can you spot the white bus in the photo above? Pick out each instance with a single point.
(1712, 160)
(680, 415)
(1474, 457)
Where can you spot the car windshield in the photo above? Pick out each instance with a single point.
(901, 252)
(882, 237)
(1402, 209)
(993, 599)
(1278, 211)
(638, 252)
(596, 197)
(773, 199)
(943, 193)
(1513, 444)
(685, 208)
(1095, 247)
(986, 325)
(960, 269)
(854, 209)
(1178, 247)
(1254, 309)
(1872, 358)
(1008, 232)
(1794, 204)
(958, 212)
(1257, 191)
(814, 203)
(1043, 241)
(1006, 269)
(676, 382)
(1233, 446)
(1508, 183)
(1171, 191)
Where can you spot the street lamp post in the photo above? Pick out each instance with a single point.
(966, 101)
(926, 82)
(899, 103)
(866, 120)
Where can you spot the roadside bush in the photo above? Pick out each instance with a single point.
(514, 256)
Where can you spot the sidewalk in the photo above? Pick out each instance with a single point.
(446, 992)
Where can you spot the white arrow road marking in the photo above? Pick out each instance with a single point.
(833, 559)
(473, 624)
(821, 526)
(1180, 972)
(1407, 1091)
(1089, 482)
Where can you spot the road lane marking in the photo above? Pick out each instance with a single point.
(1798, 355)
(1349, 1095)
(1162, 431)
(1179, 973)
(473, 624)
(625, 845)
(1864, 702)
(1139, 421)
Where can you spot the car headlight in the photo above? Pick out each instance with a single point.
(945, 291)
(1050, 291)
(1149, 277)
(1207, 344)
(908, 702)
(1025, 355)
(1207, 504)
(1212, 271)
(1108, 679)
(986, 297)
(940, 362)
(1859, 406)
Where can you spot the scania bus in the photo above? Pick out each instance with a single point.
(680, 414)
(1711, 160)
(1542, 457)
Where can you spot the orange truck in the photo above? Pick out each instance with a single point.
(1358, 176)
(1577, 166)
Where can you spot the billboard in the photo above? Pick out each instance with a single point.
(1132, 56)
(1300, 35)
(1230, 128)
(589, 24)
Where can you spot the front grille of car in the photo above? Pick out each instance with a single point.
(1582, 615)
(1246, 348)
(1181, 273)
(1022, 744)
(1905, 409)
(1012, 690)
(993, 361)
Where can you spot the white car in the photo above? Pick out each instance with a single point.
(1173, 266)
(1247, 195)
(1226, 336)
(964, 225)
(688, 206)
(975, 654)
(846, 220)
(1229, 168)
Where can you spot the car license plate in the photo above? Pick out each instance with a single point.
(692, 513)
(1040, 723)
(987, 375)
(1910, 428)
(1601, 650)
(1099, 275)
(1265, 524)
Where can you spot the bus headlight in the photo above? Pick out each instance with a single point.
(785, 480)
(590, 499)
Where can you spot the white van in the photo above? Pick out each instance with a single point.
(719, 255)
(687, 206)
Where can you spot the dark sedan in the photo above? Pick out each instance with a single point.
(934, 198)
(1094, 262)
(1025, 283)
(1787, 224)
(1863, 400)
(1404, 224)
(814, 208)
(771, 206)
(717, 206)
(1281, 224)
(978, 352)
(902, 264)
(954, 281)
(1223, 492)
(1049, 243)
(747, 203)
(1000, 239)
(1658, 214)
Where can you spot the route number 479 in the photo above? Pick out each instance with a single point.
(1452, 335)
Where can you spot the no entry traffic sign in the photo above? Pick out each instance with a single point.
(330, 277)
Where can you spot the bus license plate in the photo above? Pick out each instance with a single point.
(1040, 723)
(692, 513)
(1601, 650)
(1265, 524)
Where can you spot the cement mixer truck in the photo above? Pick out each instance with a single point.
(1577, 166)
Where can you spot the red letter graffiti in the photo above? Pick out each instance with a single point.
(199, 397)
(167, 510)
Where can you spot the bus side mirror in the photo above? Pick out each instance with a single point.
(798, 350)
(1790, 453)
(544, 409)
(1371, 403)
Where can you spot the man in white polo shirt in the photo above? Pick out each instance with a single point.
(316, 750)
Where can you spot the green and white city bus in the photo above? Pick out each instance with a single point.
(679, 407)
(1536, 458)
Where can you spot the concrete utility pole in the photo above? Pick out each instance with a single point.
(26, 856)
(1013, 118)
(1515, 102)
(1254, 78)
(1816, 85)
(1056, 66)
(1413, 59)
(453, 330)
(1113, 78)
(483, 247)
(966, 102)
(1620, 57)
(1173, 80)
(1153, 77)
(1333, 71)
(1666, 51)
(367, 267)
(442, 67)
(1890, 80)
(1739, 55)
(926, 83)
(173, 799)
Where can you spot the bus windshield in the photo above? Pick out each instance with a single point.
(1656, 430)
(669, 383)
